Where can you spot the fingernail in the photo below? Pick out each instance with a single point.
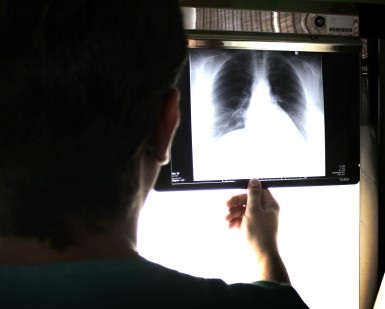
(254, 182)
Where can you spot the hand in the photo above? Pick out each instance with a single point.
(256, 213)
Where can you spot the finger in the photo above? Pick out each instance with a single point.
(235, 212)
(237, 200)
(236, 223)
(254, 195)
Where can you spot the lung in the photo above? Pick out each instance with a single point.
(231, 92)
(286, 88)
(233, 86)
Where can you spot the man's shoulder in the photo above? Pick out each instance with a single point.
(133, 281)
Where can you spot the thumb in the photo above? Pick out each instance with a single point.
(254, 195)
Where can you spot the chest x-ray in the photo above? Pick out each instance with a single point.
(256, 114)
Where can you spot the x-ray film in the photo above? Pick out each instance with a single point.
(285, 117)
(256, 113)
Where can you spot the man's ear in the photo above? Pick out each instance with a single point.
(168, 122)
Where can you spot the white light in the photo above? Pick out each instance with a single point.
(276, 22)
(318, 239)
(380, 300)
(189, 17)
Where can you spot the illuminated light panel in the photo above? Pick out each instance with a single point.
(318, 239)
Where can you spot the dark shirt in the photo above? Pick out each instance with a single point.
(132, 283)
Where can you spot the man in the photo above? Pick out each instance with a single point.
(88, 111)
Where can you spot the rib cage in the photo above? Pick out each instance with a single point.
(233, 85)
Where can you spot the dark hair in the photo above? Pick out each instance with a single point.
(80, 86)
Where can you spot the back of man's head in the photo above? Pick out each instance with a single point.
(80, 85)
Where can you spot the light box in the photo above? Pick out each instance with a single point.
(284, 112)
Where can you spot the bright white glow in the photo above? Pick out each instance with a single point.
(318, 238)
(287, 46)
(276, 22)
(189, 17)
(380, 300)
